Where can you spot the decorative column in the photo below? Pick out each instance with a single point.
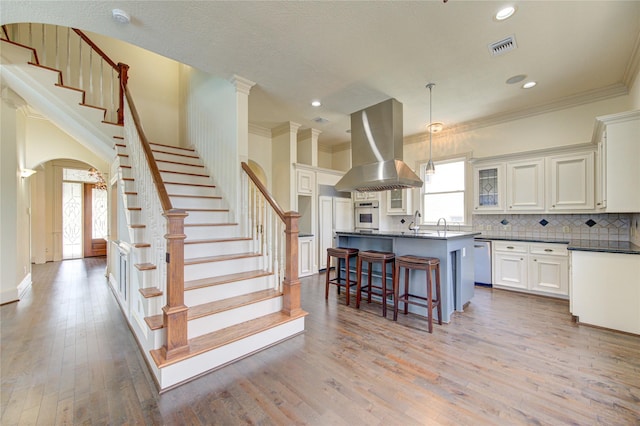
(308, 147)
(291, 283)
(284, 144)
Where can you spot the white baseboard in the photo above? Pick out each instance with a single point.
(24, 285)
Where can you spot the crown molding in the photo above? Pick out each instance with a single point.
(633, 66)
(309, 133)
(243, 85)
(607, 92)
(325, 148)
(288, 127)
(258, 130)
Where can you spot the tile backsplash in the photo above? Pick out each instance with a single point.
(602, 226)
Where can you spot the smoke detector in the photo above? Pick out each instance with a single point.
(120, 16)
(503, 46)
(320, 120)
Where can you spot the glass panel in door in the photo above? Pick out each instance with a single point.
(488, 188)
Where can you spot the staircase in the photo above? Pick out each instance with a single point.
(213, 291)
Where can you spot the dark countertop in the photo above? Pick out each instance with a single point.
(426, 235)
(301, 235)
(624, 247)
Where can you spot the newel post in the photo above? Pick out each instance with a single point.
(291, 283)
(123, 72)
(174, 315)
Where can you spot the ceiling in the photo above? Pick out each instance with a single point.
(351, 55)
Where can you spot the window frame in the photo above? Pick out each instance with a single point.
(465, 191)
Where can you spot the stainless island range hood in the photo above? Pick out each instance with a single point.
(376, 151)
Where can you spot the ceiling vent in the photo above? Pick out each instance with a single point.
(503, 46)
(320, 120)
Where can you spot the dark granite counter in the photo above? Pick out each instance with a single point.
(426, 234)
(624, 247)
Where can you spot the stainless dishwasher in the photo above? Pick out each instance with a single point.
(482, 262)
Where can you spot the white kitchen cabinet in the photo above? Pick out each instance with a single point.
(619, 155)
(510, 264)
(306, 256)
(571, 182)
(305, 182)
(525, 185)
(399, 202)
(539, 268)
(488, 188)
(605, 289)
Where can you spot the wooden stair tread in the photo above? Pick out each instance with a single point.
(135, 209)
(206, 210)
(209, 197)
(205, 185)
(186, 225)
(210, 341)
(216, 240)
(130, 193)
(172, 146)
(141, 245)
(150, 292)
(220, 258)
(224, 279)
(180, 163)
(128, 179)
(183, 173)
(145, 266)
(119, 137)
(159, 151)
(218, 306)
(138, 226)
(93, 106)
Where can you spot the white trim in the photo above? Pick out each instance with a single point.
(24, 285)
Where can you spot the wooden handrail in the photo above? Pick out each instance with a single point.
(274, 204)
(6, 33)
(104, 56)
(165, 201)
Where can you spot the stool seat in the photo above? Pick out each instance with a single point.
(344, 253)
(374, 256)
(418, 260)
(429, 265)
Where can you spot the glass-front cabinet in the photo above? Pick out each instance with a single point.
(488, 187)
(399, 202)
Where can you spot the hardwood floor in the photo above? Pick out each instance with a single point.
(69, 358)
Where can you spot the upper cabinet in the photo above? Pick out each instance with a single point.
(399, 202)
(618, 174)
(306, 182)
(571, 182)
(361, 196)
(525, 185)
(558, 181)
(488, 184)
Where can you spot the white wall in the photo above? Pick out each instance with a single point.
(153, 82)
(260, 151)
(634, 93)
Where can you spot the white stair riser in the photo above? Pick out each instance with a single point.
(225, 267)
(192, 251)
(211, 323)
(126, 173)
(69, 96)
(207, 217)
(139, 234)
(206, 191)
(224, 291)
(147, 278)
(171, 149)
(135, 217)
(121, 149)
(197, 203)
(208, 232)
(124, 161)
(184, 168)
(217, 249)
(132, 200)
(12, 54)
(176, 158)
(177, 177)
(181, 371)
(129, 185)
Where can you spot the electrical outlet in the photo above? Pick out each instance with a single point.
(566, 229)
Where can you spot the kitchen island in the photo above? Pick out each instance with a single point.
(454, 249)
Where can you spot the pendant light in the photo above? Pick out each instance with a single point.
(431, 169)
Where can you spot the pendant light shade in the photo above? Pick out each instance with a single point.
(431, 168)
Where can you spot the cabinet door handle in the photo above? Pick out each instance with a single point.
(599, 204)
(535, 260)
(553, 205)
(510, 247)
(478, 246)
(510, 207)
(548, 250)
(521, 259)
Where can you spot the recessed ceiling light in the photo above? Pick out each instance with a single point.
(529, 84)
(316, 103)
(505, 13)
(435, 127)
(516, 79)
(120, 16)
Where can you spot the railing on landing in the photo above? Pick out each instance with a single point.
(275, 234)
(82, 64)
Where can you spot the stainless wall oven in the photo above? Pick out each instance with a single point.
(367, 215)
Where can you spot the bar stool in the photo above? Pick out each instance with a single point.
(345, 254)
(371, 257)
(429, 265)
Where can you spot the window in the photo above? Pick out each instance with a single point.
(443, 192)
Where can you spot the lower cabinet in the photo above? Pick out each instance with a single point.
(531, 267)
(306, 256)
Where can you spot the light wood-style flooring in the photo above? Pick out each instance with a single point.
(69, 358)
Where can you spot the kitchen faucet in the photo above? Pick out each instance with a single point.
(445, 223)
(413, 226)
